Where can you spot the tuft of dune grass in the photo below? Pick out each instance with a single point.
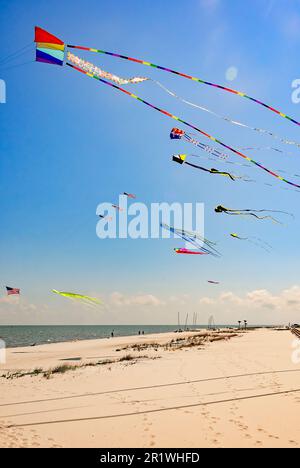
(63, 368)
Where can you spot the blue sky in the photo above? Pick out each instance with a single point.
(69, 143)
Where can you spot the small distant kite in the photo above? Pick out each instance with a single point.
(189, 252)
(12, 291)
(129, 195)
(80, 297)
(250, 212)
(213, 282)
(235, 236)
(117, 207)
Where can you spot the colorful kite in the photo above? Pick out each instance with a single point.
(250, 212)
(168, 114)
(80, 297)
(181, 159)
(178, 134)
(49, 49)
(199, 242)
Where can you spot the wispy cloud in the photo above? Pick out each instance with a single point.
(259, 298)
(119, 300)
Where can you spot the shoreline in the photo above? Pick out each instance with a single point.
(189, 330)
(52, 354)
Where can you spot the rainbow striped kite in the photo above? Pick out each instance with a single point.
(49, 49)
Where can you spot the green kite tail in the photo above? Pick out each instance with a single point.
(77, 296)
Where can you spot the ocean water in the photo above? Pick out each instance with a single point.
(27, 335)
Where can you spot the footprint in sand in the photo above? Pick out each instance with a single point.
(293, 442)
(152, 442)
(215, 442)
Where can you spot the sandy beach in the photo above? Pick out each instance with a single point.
(203, 391)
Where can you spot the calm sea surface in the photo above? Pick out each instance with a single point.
(27, 335)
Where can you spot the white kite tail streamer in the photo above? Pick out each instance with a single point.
(91, 68)
(227, 119)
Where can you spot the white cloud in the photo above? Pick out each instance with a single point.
(259, 298)
(179, 300)
(118, 299)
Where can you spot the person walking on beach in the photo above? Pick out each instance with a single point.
(112, 334)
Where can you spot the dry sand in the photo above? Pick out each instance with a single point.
(242, 392)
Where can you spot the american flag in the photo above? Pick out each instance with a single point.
(11, 291)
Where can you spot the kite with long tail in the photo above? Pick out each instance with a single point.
(253, 240)
(250, 212)
(50, 49)
(200, 243)
(79, 297)
(181, 159)
(244, 177)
